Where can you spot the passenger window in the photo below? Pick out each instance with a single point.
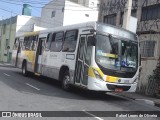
(48, 42)
(16, 43)
(27, 43)
(34, 43)
(56, 44)
(90, 43)
(70, 41)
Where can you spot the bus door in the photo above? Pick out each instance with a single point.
(83, 60)
(38, 59)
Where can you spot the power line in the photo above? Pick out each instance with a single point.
(40, 20)
(52, 8)
(31, 18)
(8, 11)
(18, 2)
(32, 2)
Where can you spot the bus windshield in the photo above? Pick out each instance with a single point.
(116, 54)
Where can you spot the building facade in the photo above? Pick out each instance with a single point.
(94, 4)
(148, 29)
(11, 27)
(65, 12)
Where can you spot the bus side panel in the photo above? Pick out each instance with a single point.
(69, 59)
(14, 54)
(53, 61)
(30, 57)
(20, 60)
(50, 64)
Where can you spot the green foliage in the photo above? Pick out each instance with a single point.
(156, 73)
(154, 81)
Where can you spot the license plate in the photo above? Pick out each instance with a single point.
(118, 90)
(126, 81)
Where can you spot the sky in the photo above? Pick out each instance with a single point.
(10, 8)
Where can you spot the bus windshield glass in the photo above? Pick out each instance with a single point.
(116, 54)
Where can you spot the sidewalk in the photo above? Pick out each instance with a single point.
(5, 64)
(141, 98)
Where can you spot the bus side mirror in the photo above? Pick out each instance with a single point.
(91, 41)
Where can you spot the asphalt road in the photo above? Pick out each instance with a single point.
(19, 93)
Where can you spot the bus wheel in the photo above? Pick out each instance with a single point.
(65, 81)
(24, 69)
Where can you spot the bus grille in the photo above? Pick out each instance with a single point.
(113, 87)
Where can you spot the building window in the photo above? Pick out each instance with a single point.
(147, 48)
(150, 12)
(53, 14)
(121, 18)
(87, 15)
(110, 19)
(133, 14)
(70, 41)
(4, 28)
(98, 5)
(7, 43)
(63, 9)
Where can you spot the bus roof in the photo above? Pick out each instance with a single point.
(28, 34)
(101, 27)
(116, 31)
(74, 26)
(31, 33)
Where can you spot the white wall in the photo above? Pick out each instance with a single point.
(93, 3)
(89, 3)
(75, 13)
(46, 19)
(26, 23)
(37, 28)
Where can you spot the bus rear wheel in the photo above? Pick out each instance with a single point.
(24, 69)
(65, 81)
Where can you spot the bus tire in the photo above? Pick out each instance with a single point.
(24, 69)
(65, 81)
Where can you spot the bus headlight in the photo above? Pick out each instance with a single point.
(97, 75)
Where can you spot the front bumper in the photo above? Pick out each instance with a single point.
(99, 85)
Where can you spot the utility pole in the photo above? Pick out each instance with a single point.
(127, 15)
(9, 40)
(1, 38)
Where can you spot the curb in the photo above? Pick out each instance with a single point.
(6, 65)
(150, 102)
(126, 96)
(157, 104)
